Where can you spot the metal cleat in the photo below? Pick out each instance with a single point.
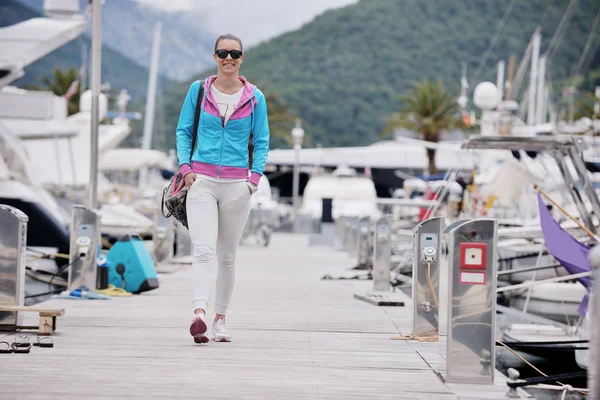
(513, 377)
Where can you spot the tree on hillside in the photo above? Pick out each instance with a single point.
(61, 84)
(585, 106)
(429, 108)
(282, 117)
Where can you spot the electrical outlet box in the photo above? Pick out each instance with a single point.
(428, 241)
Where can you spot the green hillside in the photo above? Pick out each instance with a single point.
(118, 70)
(346, 69)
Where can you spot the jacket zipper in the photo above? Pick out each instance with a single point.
(222, 141)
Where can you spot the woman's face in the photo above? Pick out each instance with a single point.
(229, 64)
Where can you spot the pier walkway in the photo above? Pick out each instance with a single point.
(295, 336)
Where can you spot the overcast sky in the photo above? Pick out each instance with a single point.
(255, 20)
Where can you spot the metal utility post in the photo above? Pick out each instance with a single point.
(347, 233)
(364, 231)
(83, 248)
(13, 242)
(96, 75)
(353, 239)
(340, 232)
(426, 276)
(594, 333)
(470, 259)
(382, 253)
(381, 295)
(298, 136)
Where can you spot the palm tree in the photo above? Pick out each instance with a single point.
(59, 85)
(429, 108)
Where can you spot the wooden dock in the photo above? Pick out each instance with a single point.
(295, 336)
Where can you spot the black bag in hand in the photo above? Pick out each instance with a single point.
(175, 194)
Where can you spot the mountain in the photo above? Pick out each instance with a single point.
(118, 70)
(346, 69)
(128, 27)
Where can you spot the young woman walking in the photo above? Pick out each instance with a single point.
(218, 177)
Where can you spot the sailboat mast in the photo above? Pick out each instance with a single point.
(151, 99)
(541, 92)
(535, 54)
(151, 94)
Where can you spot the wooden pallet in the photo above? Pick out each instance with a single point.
(47, 323)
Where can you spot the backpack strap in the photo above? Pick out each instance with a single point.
(250, 144)
(197, 118)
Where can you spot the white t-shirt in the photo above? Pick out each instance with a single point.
(226, 102)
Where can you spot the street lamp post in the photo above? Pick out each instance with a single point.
(298, 136)
(95, 81)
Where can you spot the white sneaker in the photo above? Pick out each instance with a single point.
(219, 331)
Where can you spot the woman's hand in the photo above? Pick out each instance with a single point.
(189, 179)
(250, 188)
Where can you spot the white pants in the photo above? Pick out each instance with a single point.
(217, 212)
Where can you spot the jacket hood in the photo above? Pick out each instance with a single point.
(246, 94)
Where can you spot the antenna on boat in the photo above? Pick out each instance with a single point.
(500, 81)
(464, 85)
(511, 76)
(463, 100)
(508, 106)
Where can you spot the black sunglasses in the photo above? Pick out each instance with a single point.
(235, 54)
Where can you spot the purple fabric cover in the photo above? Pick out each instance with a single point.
(572, 254)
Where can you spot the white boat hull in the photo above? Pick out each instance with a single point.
(558, 301)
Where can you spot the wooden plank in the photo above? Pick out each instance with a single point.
(295, 336)
(51, 312)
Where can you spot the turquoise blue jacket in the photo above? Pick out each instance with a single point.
(222, 149)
